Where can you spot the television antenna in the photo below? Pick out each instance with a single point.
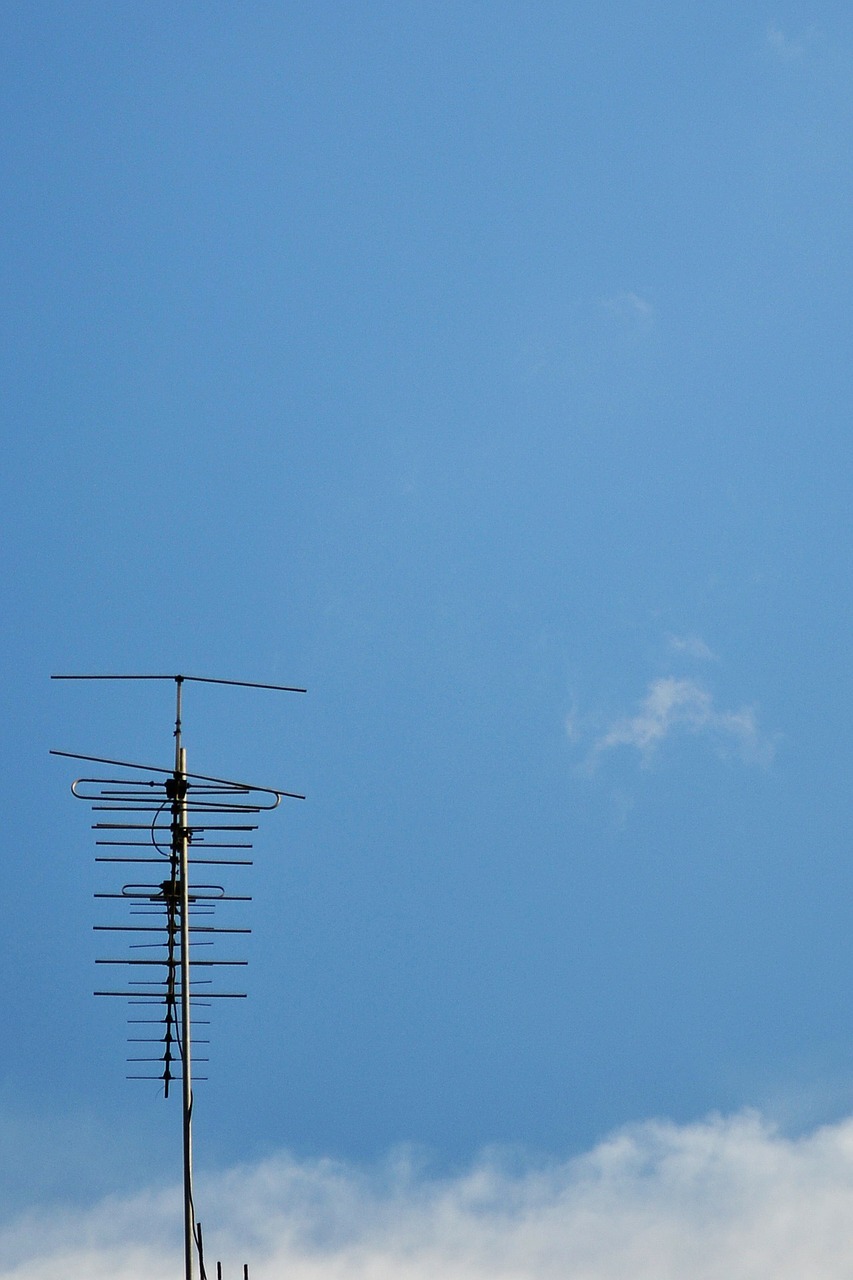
(173, 820)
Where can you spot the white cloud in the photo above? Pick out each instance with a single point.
(724, 1199)
(782, 45)
(572, 723)
(673, 705)
(630, 306)
(691, 647)
(785, 46)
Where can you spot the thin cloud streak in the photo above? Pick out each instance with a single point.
(785, 47)
(630, 306)
(724, 1199)
(691, 647)
(675, 704)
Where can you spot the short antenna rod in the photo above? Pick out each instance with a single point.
(179, 687)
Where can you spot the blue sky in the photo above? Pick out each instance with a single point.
(483, 367)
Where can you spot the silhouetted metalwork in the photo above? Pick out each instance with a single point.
(179, 821)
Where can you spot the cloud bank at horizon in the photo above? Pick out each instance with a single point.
(722, 1199)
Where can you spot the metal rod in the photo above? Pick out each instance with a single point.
(160, 928)
(160, 960)
(180, 846)
(195, 862)
(153, 768)
(158, 997)
(243, 684)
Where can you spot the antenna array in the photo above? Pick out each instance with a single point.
(175, 823)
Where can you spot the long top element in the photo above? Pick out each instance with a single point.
(243, 684)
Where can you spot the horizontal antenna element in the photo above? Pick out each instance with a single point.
(242, 684)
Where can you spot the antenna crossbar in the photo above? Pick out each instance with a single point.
(242, 684)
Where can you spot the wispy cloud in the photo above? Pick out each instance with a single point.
(630, 306)
(782, 45)
(724, 1199)
(691, 647)
(789, 48)
(677, 705)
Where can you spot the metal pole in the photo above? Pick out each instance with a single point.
(180, 836)
(186, 1030)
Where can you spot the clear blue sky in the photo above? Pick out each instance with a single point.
(484, 367)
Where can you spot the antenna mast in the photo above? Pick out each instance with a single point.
(180, 847)
(194, 802)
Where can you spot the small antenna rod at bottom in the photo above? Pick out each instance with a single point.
(219, 1271)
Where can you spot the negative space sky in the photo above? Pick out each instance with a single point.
(484, 367)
